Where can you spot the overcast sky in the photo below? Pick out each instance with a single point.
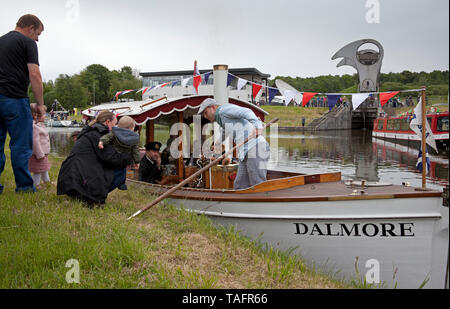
(278, 37)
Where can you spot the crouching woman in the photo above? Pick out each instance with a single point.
(88, 172)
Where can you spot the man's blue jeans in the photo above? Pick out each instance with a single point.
(15, 119)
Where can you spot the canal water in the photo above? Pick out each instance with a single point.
(354, 153)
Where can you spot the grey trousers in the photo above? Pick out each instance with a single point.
(253, 169)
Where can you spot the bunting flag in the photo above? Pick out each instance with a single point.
(241, 83)
(358, 99)
(197, 77)
(206, 76)
(185, 81)
(272, 93)
(289, 95)
(255, 90)
(385, 96)
(197, 82)
(230, 78)
(416, 126)
(419, 161)
(332, 100)
(307, 96)
(297, 96)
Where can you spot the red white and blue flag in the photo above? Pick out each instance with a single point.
(197, 77)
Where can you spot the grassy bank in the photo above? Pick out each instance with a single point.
(163, 248)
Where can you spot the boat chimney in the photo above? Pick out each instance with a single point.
(220, 83)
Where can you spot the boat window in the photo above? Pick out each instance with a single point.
(442, 123)
(390, 124)
(380, 124)
(404, 126)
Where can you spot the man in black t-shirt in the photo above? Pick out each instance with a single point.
(19, 66)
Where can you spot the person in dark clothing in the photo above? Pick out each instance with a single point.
(19, 66)
(150, 165)
(88, 172)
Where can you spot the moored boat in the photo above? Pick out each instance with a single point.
(335, 225)
(397, 130)
(397, 235)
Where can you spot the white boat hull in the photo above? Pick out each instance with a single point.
(407, 238)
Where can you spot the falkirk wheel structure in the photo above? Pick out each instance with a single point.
(367, 63)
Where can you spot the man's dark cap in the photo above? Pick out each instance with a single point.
(153, 146)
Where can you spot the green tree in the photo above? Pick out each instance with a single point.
(69, 92)
(96, 78)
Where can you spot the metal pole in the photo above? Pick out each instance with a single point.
(94, 92)
(424, 145)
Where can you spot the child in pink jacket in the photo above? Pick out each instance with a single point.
(39, 164)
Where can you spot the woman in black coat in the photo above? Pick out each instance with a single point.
(88, 172)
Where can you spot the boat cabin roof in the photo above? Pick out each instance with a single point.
(142, 111)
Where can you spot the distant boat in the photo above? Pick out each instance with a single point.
(397, 130)
(54, 123)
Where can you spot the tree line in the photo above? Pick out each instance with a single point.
(94, 85)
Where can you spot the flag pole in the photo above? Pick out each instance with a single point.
(424, 144)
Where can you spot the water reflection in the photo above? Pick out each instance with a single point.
(61, 142)
(357, 156)
(354, 153)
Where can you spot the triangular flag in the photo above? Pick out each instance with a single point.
(164, 85)
(197, 82)
(117, 94)
(272, 93)
(358, 99)
(307, 96)
(385, 96)
(185, 81)
(139, 90)
(206, 76)
(416, 126)
(256, 88)
(332, 100)
(229, 79)
(241, 83)
(174, 83)
(145, 90)
(289, 95)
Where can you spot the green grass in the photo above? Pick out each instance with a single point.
(291, 116)
(163, 248)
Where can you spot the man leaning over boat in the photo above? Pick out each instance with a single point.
(240, 123)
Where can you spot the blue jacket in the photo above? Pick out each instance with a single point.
(240, 122)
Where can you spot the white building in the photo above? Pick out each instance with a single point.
(151, 79)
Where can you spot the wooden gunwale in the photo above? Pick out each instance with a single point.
(328, 190)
